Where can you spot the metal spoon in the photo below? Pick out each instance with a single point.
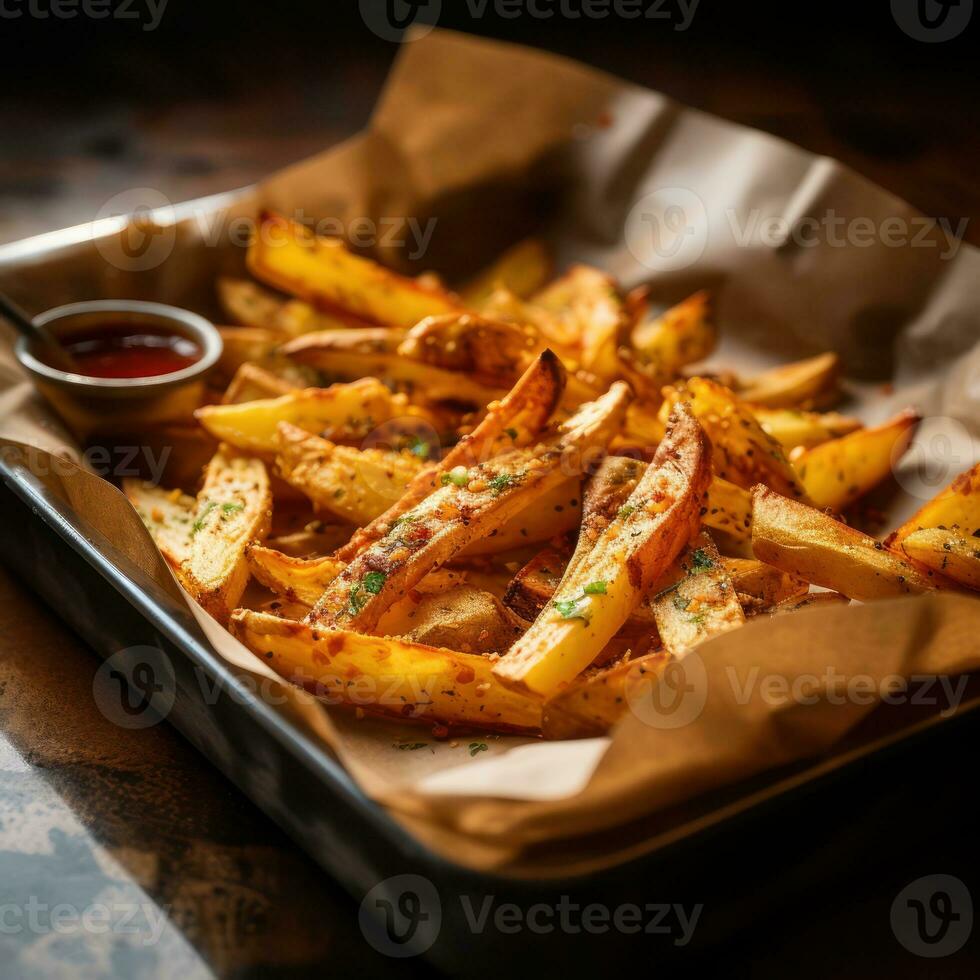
(55, 353)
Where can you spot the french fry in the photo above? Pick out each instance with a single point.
(356, 485)
(811, 383)
(743, 453)
(252, 383)
(515, 421)
(324, 273)
(702, 603)
(683, 335)
(837, 473)
(809, 601)
(347, 412)
(167, 514)
(813, 546)
(728, 508)
(958, 504)
(759, 585)
(947, 550)
(233, 509)
(793, 427)
(523, 269)
(592, 704)
(387, 674)
(596, 598)
(246, 345)
(298, 579)
(466, 508)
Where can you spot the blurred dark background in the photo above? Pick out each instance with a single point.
(191, 97)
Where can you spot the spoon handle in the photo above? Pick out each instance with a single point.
(57, 355)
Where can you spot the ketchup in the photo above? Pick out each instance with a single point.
(122, 350)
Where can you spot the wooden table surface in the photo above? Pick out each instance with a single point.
(91, 813)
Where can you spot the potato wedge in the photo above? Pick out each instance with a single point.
(793, 427)
(246, 345)
(356, 485)
(387, 675)
(760, 586)
(523, 269)
(743, 453)
(683, 335)
(813, 546)
(597, 596)
(515, 421)
(464, 618)
(466, 508)
(837, 473)
(252, 383)
(947, 550)
(958, 504)
(248, 304)
(233, 509)
(167, 514)
(322, 271)
(728, 509)
(298, 579)
(811, 383)
(809, 601)
(348, 412)
(702, 603)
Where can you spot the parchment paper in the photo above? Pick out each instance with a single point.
(494, 142)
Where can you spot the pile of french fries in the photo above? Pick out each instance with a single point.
(495, 508)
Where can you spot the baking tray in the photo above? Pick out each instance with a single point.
(708, 854)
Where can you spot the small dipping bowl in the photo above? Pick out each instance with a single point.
(106, 405)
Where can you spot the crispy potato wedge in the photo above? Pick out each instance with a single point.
(298, 579)
(702, 603)
(947, 550)
(760, 586)
(728, 509)
(837, 473)
(252, 383)
(233, 509)
(167, 514)
(813, 546)
(387, 675)
(808, 601)
(592, 704)
(466, 508)
(356, 485)
(793, 427)
(348, 412)
(515, 421)
(246, 345)
(811, 383)
(523, 269)
(743, 453)
(322, 271)
(683, 335)
(958, 504)
(597, 596)
(248, 304)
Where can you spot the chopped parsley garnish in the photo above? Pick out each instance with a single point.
(458, 475)
(476, 747)
(595, 588)
(199, 523)
(373, 582)
(499, 483)
(679, 602)
(410, 746)
(231, 508)
(625, 511)
(571, 609)
(701, 561)
(419, 447)
(355, 600)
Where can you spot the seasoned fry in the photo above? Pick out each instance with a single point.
(702, 603)
(326, 274)
(958, 504)
(167, 514)
(246, 345)
(252, 383)
(947, 550)
(463, 618)
(792, 427)
(233, 509)
(759, 585)
(523, 269)
(682, 335)
(743, 453)
(469, 504)
(592, 704)
(729, 509)
(387, 674)
(808, 601)
(811, 545)
(597, 596)
(837, 473)
(298, 579)
(811, 383)
(355, 485)
(348, 412)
